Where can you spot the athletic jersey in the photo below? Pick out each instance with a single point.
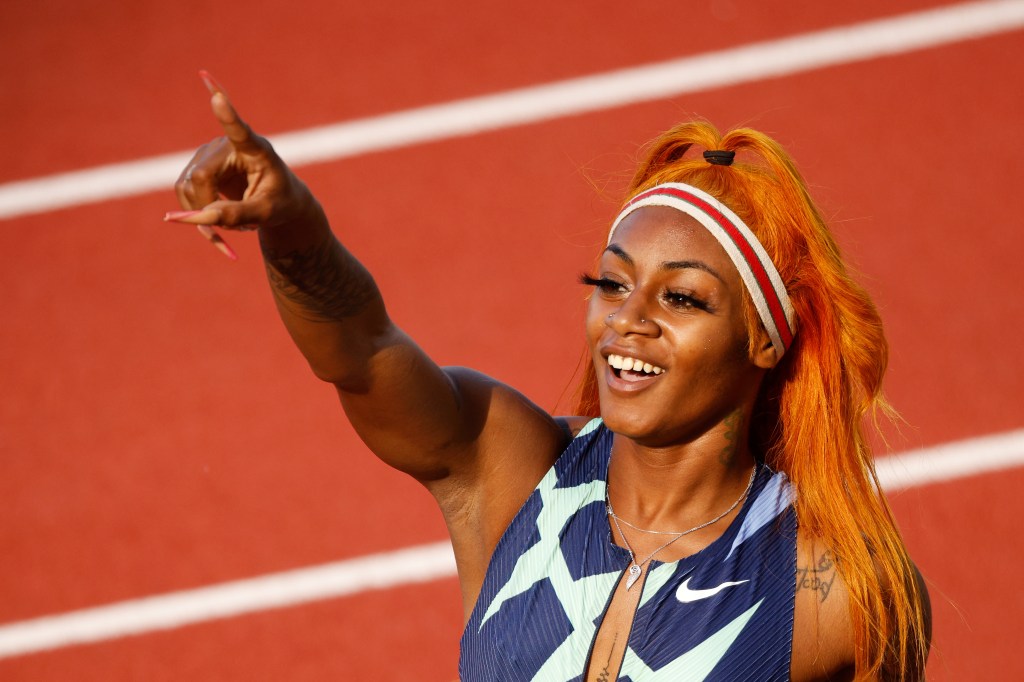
(724, 613)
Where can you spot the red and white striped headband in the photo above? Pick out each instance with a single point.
(755, 267)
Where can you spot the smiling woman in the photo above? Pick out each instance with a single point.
(733, 360)
(800, 414)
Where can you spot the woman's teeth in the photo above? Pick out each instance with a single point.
(627, 364)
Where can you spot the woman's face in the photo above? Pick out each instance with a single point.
(668, 296)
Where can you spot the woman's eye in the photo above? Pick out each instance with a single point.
(684, 301)
(603, 284)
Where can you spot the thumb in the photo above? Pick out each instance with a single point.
(246, 214)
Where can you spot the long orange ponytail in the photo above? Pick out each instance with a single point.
(808, 420)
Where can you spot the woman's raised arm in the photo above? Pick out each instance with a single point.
(415, 416)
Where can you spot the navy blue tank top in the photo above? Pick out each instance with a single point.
(724, 613)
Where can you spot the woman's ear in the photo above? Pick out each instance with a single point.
(765, 356)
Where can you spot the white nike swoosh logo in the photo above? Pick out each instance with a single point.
(686, 595)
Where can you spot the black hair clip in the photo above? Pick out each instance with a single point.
(719, 157)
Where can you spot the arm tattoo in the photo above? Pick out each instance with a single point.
(322, 279)
(817, 578)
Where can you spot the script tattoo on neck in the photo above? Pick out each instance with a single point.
(819, 577)
(733, 428)
(323, 280)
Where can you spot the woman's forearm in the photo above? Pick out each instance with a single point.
(327, 299)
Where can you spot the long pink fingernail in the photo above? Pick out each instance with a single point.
(206, 216)
(211, 83)
(223, 247)
(217, 241)
(178, 215)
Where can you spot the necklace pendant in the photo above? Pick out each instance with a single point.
(634, 575)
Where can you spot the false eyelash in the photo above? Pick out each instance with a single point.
(678, 299)
(674, 298)
(602, 283)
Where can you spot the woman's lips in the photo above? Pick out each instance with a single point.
(627, 363)
(630, 380)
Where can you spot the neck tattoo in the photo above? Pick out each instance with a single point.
(636, 567)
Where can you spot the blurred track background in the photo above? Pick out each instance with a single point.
(160, 434)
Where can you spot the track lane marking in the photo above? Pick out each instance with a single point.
(951, 461)
(422, 563)
(722, 68)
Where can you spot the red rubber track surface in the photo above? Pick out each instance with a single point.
(159, 432)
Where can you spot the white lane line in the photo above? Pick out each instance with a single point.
(756, 61)
(402, 567)
(951, 461)
(163, 612)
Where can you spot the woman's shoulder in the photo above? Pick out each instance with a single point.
(824, 639)
(823, 633)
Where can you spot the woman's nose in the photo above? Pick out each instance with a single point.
(630, 318)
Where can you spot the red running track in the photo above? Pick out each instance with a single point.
(158, 431)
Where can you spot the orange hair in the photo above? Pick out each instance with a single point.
(808, 418)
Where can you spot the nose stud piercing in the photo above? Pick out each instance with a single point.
(642, 319)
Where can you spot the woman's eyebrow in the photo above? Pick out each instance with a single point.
(617, 250)
(668, 265)
(684, 264)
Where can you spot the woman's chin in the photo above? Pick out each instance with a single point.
(638, 427)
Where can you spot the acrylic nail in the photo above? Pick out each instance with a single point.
(206, 216)
(217, 241)
(211, 83)
(178, 215)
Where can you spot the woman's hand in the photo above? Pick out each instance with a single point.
(478, 445)
(238, 182)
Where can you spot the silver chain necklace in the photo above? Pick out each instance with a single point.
(636, 568)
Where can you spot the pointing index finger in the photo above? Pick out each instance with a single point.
(234, 127)
(211, 83)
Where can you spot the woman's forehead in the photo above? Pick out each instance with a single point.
(664, 234)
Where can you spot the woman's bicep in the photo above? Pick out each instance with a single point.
(433, 422)
(405, 407)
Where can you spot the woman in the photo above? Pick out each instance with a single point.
(721, 519)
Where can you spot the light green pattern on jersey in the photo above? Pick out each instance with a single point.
(696, 664)
(583, 600)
